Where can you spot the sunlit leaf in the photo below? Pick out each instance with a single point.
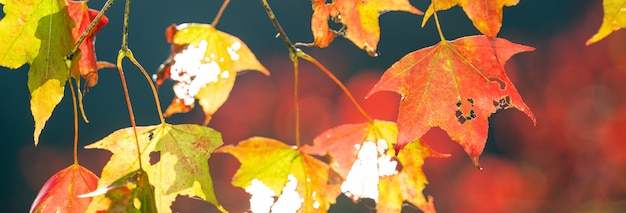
(361, 154)
(408, 184)
(359, 17)
(41, 33)
(37, 32)
(486, 15)
(455, 85)
(270, 169)
(131, 193)
(59, 193)
(204, 62)
(182, 168)
(614, 19)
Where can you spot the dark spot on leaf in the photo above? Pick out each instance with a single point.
(150, 135)
(471, 101)
(472, 115)
(155, 157)
(460, 117)
(458, 104)
(500, 82)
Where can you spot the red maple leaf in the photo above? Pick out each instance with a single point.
(59, 193)
(87, 66)
(455, 85)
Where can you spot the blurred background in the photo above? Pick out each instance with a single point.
(573, 160)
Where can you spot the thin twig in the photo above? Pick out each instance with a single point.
(89, 28)
(339, 83)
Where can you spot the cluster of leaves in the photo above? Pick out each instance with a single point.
(455, 85)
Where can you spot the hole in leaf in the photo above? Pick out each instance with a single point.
(155, 157)
(503, 103)
(500, 82)
(459, 116)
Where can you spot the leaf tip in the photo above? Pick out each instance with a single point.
(476, 163)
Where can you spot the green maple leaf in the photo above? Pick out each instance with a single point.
(274, 169)
(131, 193)
(37, 32)
(181, 170)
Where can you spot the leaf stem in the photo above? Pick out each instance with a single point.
(296, 100)
(219, 13)
(89, 28)
(443, 39)
(154, 90)
(125, 52)
(297, 53)
(339, 83)
(69, 81)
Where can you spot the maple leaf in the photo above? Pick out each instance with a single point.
(360, 154)
(87, 66)
(59, 193)
(614, 19)
(130, 193)
(41, 33)
(204, 62)
(455, 85)
(184, 151)
(408, 184)
(359, 17)
(36, 32)
(270, 168)
(486, 15)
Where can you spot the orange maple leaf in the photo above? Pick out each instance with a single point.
(486, 15)
(87, 66)
(359, 17)
(455, 85)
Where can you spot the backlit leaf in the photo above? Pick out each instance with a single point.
(455, 85)
(361, 154)
(204, 62)
(130, 193)
(59, 193)
(87, 66)
(359, 17)
(37, 32)
(41, 33)
(182, 150)
(270, 168)
(614, 19)
(486, 15)
(408, 184)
